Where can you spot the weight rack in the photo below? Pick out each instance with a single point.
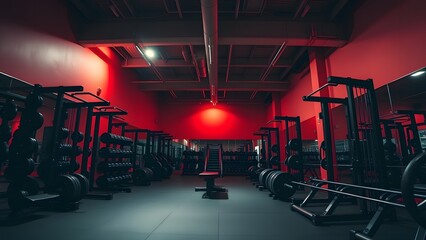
(114, 179)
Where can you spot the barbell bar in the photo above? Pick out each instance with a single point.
(408, 189)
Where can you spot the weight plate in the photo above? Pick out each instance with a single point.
(257, 173)
(84, 183)
(295, 144)
(282, 186)
(412, 176)
(262, 175)
(29, 166)
(275, 148)
(69, 188)
(269, 179)
(294, 162)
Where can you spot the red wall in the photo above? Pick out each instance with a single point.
(387, 43)
(203, 121)
(37, 46)
(309, 129)
(292, 103)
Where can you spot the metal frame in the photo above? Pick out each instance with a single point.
(360, 98)
(299, 173)
(110, 112)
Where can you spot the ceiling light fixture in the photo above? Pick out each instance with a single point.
(417, 73)
(149, 53)
(210, 54)
(145, 54)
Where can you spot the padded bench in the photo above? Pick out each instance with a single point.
(211, 190)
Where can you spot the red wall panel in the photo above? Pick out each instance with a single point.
(203, 121)
(309, 130)
(292, 103)
(388, 42)
(37, 46)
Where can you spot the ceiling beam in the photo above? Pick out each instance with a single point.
(204, 86)
(142, 63)
(237, 9)
(273, 61)
(337, 8)
(296, 58)
(168, 33)
(228, 66)
(254, 61)
(178, 9)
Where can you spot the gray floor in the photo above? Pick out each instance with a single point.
(171, 209)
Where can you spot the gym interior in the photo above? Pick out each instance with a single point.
(203, 119)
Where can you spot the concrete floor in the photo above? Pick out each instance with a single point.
(171, 209)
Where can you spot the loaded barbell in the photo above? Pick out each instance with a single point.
(413, 190)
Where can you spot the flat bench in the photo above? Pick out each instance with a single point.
(210, 189)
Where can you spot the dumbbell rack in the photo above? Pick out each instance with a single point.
(89, 101)
(237, 163)
(115, 173)
(160, 166)
(141, 175)
(162, 156)
(61, 191)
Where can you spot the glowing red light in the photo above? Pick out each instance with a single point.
(213, 117)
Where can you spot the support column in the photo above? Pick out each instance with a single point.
(318, 70)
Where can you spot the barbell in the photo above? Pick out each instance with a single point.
(412, 192)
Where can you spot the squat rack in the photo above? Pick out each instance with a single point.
(366, 148)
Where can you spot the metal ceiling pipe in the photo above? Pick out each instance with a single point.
(209, 12)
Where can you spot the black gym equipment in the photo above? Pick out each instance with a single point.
(367, 154)
(262, 156)
(270, 153)
(238, 162)
(328, 161)
(113, 179)
(213, 169)
(154, 159)
(88, 101)
(141, 175)
(413, 194)
(59, 189)
(293, 148)
(193, 162)
(7, 113)
(407, 131)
